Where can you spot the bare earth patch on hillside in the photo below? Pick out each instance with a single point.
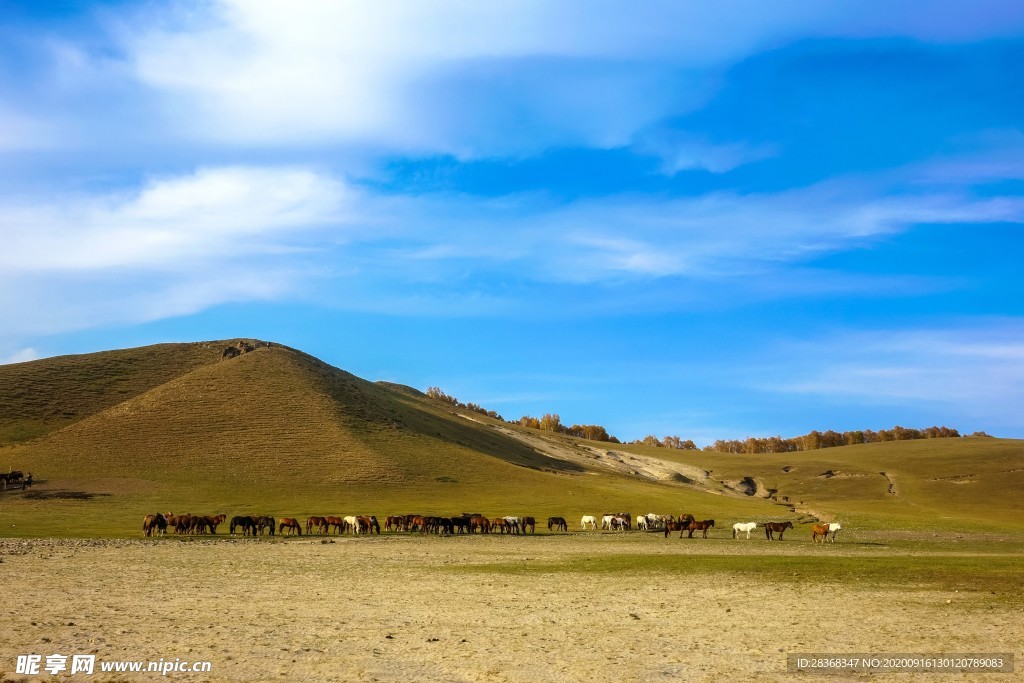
(407, 609)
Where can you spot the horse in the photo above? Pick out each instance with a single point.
(479, 522)
(606, 521)
(368, 524)
(291, 524)
(248, 525)
(833, 528)
(528, 522)
(641, 522)
(263, 523)
(619, 523)
(351, 524)
(771, 527)
(819, 530)
(499, 524)
(216, 521)
(154, 524)
(514, 524)
(336, 522)
(558, 524)
(679, 525)
(743, 526)
(700, 526)
(588, 519)
(316, 522)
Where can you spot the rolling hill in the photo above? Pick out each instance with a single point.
(113, 435)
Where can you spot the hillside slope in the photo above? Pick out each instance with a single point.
(182, 426)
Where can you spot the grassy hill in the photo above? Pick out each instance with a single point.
(114, 435)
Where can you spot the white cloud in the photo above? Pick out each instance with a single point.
(224, 213)
(20, 356)
(477, 79)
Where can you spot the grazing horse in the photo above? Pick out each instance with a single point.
(819, 530)
(514, 524)
(263, 523)
(291, 524)
(558, 524)
(316, 523)
(833, 529)
(589, 519)
(351, 524)
(739, 527)
(367, 525)
(703, 526)
(154, 524)
(479, 522)
(770, 528)
(641, 522)
(248, 525)
(499, 524)
(528, 522)
(334, 522)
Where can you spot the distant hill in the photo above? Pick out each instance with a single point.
(243, 425)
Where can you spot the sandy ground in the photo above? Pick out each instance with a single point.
(400, 609)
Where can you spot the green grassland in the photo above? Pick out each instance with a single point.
(115, 435)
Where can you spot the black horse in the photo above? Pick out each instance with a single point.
(248, 525)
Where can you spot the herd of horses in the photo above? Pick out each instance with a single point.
(464, 523)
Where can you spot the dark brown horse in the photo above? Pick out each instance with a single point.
(291, 524)
(703, 526)
(479, 522)
(679, 525)
(528, 522)
(771, 528)
(337, 523)
(316, 523)
(557, 524)
(153, 524)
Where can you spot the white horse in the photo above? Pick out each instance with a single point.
(516, 523)
(589, 519)
(606, 521)
(743, 526)
(352, 523)
(641, 523)
(833, 528)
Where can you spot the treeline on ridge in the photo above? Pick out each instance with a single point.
(773, 444)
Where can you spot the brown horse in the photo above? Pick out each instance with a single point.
(557, 524)
(528, 522)
(499, 524)
(154, 524)
(771, 528)
(368, 524)
(291, 524)
(479, 522)
(679, 525)
(699, 526)
(216, 521)
(819, 530)
(316, 522)
(337, 523)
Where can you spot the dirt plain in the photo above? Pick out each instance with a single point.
(406, 608)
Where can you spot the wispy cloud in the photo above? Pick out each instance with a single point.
(180, 244)
(974, 366)
(465, 78)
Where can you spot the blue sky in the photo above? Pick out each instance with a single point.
(699, 219)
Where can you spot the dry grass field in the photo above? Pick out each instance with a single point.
(579, 607)
(930, 559)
